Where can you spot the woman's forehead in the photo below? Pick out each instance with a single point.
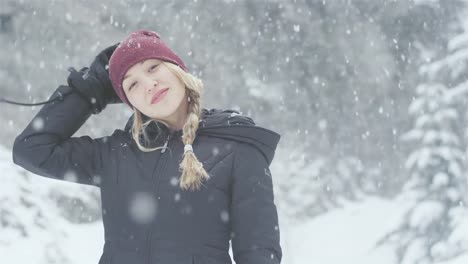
(140, 64)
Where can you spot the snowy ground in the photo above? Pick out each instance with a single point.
(346, 235)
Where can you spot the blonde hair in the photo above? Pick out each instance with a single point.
(192, 170)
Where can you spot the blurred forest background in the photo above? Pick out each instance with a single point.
(370, 96)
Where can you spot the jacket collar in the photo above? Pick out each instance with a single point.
(226, 124)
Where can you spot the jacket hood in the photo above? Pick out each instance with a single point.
(226, 124)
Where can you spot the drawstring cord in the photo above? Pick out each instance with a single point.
(59, 97)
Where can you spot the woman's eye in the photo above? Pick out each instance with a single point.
(129, 88)
(154, 66)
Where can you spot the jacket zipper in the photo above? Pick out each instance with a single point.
(165, 144)
(156, 187)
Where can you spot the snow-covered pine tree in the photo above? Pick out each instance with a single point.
(437, 182)
(436, 189)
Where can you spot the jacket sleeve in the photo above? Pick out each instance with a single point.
(254, 219)
(46, 147)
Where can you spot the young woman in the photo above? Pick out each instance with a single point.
(178, 182)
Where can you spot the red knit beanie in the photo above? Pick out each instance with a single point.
(138, 46)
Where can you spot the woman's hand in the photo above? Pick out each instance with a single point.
(100, 68)
(93, 84)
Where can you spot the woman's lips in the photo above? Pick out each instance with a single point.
(159, 95)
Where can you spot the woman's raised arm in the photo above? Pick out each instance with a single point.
(46, 146)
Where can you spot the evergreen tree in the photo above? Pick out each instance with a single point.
(436, 190)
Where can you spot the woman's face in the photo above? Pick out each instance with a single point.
(146, 78)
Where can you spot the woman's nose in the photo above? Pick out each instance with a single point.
(151, 85)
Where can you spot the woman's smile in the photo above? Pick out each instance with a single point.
(159, 95)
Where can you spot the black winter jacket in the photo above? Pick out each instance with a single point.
(177, 227)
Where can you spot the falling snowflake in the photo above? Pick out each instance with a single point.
(142, 207)
(224, 216)
(38, 124)
(297, 28)
(70, 176)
